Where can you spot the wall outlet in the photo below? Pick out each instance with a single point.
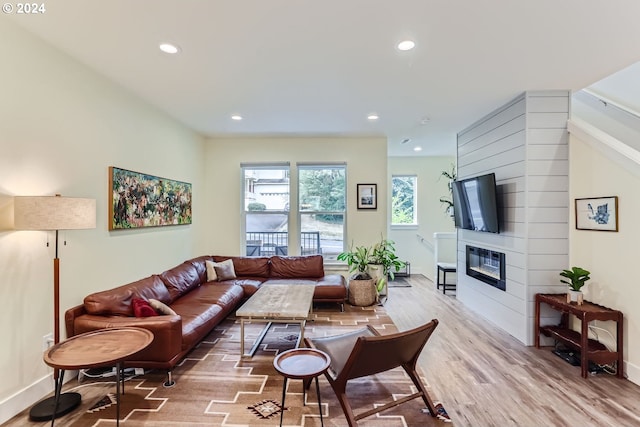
(47, 341)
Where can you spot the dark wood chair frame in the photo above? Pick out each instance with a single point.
(378, 353)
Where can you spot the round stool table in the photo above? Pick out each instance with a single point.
(103, 347)
(302, 364)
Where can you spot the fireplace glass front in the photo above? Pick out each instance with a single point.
(486, 265)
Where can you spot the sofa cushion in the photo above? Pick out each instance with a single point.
(199, 264)
(142, 308)
(249, 284)
(117, 301)
(331, 287)
(224, 270)
(211, 271)
(292, 267)
(203, 308)
(180, 279)
(248, 266)
(160, 307)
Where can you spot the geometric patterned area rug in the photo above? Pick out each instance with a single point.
(214, 387)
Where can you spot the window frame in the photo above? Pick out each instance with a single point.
(414, 223)
(300, 212)
(284, 166)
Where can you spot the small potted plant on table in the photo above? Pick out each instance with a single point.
(577, 277)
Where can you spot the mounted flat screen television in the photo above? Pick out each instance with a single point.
(475, 204)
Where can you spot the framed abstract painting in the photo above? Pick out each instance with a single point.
(141, 200)
(597, 213)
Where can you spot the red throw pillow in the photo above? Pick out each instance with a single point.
(142, 308)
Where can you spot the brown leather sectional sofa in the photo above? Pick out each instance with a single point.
(199, 304)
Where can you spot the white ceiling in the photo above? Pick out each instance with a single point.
(302, 67)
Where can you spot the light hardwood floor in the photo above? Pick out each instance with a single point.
(484, 377)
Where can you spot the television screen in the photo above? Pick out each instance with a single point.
(475, 204)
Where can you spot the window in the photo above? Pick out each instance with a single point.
(322, 209)
(265, 211)
(403, 200)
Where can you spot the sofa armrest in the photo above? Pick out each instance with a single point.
(167, 332)
(70, 317)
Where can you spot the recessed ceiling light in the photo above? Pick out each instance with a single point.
(418, 148)
(236, 117)
(406, 45)
(373, 116)
(169, 48)
(425, 120)
(404, 141)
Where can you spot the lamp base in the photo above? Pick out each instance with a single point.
(44, 410)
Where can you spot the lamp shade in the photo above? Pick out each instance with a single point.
(53, 213)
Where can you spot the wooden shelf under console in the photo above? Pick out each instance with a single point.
(590, 350)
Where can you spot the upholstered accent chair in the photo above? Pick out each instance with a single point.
(365, 352)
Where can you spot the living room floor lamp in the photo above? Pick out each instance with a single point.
(54, 213)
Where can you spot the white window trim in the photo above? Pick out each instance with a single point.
(415, 223)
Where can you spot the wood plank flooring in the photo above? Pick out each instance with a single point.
(483, 376)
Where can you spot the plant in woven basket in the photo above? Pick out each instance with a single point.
(358, 258)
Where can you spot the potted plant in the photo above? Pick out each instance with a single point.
(448, 200)
(362, 290)
(384, 263)
(577, 277)
(357, 259)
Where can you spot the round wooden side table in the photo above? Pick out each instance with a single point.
(302, 364)
(104, 347)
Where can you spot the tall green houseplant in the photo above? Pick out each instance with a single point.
(383, 253)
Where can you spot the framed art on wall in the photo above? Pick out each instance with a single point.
(597, 213)
(140, 200)
(367, 196)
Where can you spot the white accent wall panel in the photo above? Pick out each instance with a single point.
(525, 144)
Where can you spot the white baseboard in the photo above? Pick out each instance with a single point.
(28, 396)
(632, 372)
(25, 398)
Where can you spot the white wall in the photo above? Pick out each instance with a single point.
(431, 213)
(597, 171)
(525, 144)
(366, 161)
(62, 126)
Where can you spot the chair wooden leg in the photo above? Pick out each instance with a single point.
(346, 407)
(418, 383)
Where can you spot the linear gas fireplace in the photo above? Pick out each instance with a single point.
(486, 265)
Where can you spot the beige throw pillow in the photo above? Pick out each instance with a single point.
(225, 270)
(211, 271)
(161, 307)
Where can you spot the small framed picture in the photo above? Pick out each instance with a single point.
(367, 196)
(597, 213)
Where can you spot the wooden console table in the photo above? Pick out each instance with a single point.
(589, 349)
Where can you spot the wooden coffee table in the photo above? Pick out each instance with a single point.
(104, 347)
(276, 304)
